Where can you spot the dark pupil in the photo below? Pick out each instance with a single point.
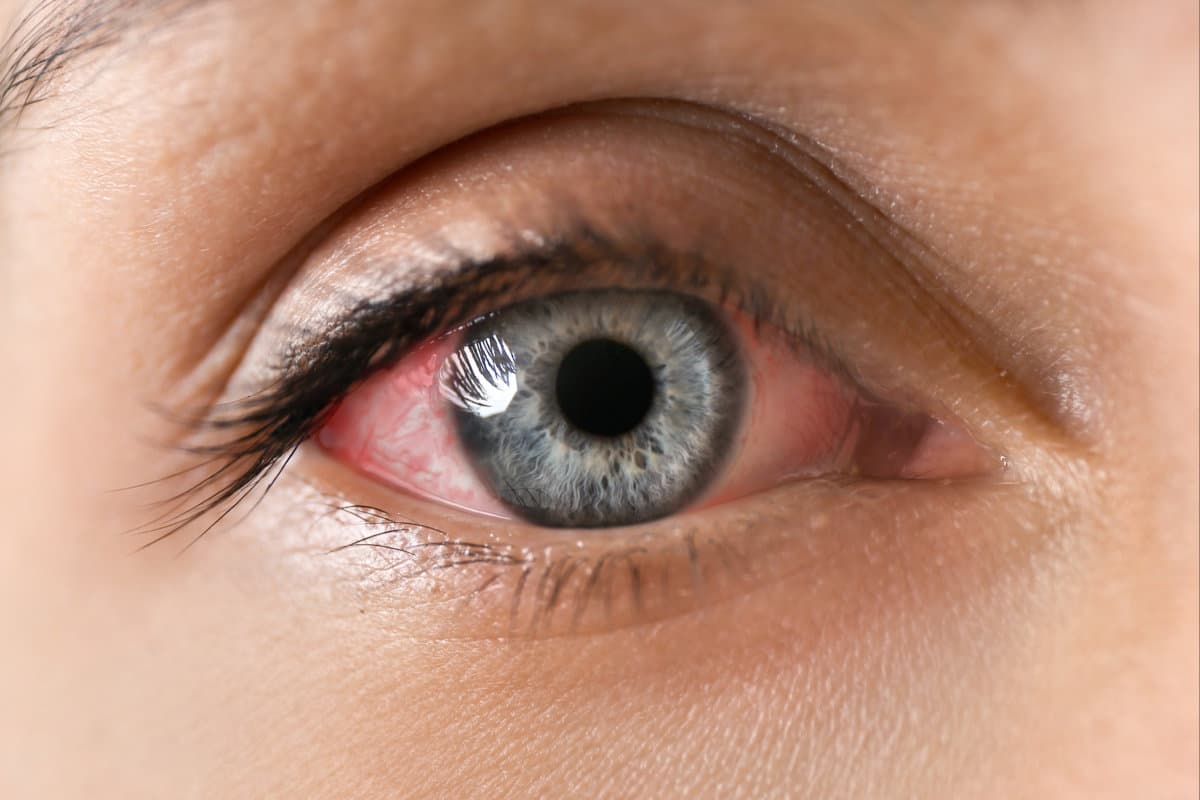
(604, 387)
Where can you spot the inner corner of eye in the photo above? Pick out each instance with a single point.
(612, 407)
(945, 450)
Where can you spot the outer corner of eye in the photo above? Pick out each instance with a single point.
(605, 408)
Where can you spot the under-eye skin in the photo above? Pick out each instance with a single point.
(449, 422)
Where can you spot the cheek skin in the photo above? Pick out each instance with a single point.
(269, 663)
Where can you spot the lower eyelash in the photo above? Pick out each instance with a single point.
(547, 594)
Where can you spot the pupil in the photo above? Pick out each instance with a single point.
(604, 387)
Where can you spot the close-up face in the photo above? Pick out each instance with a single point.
(599, 399)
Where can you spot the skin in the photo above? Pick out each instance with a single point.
(1041, 643)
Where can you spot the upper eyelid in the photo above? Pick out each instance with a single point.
(1042, 383)
(808, 163)
(473, 287)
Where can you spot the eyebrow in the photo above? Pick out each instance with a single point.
(55, 34)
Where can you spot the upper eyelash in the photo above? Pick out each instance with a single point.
(247, 442)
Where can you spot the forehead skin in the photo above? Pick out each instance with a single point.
(1046, 153)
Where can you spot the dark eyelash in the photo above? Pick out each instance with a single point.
(246, 443)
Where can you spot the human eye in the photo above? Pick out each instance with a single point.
(592, 369)
(612, 407)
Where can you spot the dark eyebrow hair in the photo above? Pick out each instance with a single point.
(54, 34)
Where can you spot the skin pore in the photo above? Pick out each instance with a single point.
(990, 209)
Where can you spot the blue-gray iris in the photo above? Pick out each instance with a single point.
(597, 408)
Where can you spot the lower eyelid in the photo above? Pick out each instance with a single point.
(439, 574)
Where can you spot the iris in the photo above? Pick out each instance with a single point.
(597, 408)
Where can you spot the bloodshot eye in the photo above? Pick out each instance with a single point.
(604, 408)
